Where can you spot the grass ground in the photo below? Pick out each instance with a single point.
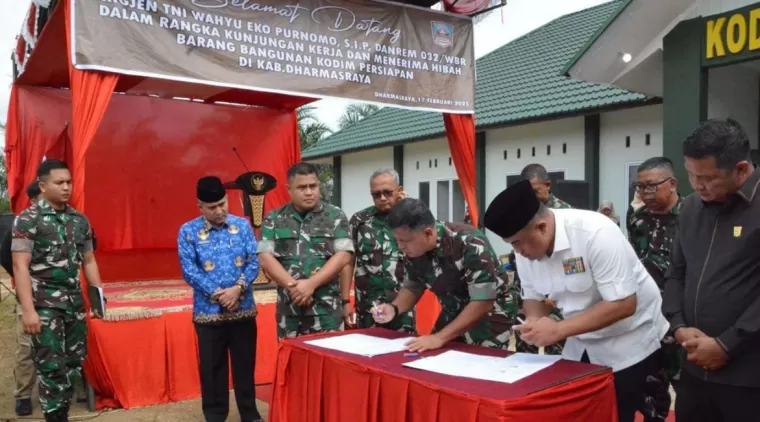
(188, 411)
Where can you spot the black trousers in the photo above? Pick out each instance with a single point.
(631, 386)
(702, 401)
(235, 341)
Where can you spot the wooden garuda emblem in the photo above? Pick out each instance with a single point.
(255, 185)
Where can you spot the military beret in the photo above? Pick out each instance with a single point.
(210, 189)
(512, 210)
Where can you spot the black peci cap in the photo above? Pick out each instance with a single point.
(512, 210)
(210, 189)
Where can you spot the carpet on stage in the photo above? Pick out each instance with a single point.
(149, 299)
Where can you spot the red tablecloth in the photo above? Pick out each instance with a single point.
(316, 384)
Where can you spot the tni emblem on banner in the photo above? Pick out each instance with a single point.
(443, 33)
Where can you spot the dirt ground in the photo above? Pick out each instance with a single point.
(187, 411)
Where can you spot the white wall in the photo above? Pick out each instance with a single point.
(616, 157)
(424, 155)
(713, 7)
(733, 91)
(356, 169)
(554, 133)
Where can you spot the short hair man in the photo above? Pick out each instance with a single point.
(304, 246)
(51, 241)
(217, 252)
(712, 290)
(651, 230)
(539, 180)
(457, 263)
(582, 261)
(378, 264)
(24, 373)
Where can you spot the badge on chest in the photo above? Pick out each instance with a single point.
(573, 266)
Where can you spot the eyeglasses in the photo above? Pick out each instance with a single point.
(649, 187)
(388, 193)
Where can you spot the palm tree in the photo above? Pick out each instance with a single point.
(310, 129)
(355, 112)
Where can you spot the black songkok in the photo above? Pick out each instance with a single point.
(210, 189)
(512, 210)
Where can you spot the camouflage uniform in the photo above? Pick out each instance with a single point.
(379, 269)
(555, 203)
(555, 349)
(651, 236)
(57, 242)
(303, 245)
(463, 268)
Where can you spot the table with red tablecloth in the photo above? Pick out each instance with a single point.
(145, 352)
(314, 384)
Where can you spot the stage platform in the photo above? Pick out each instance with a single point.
(145, 351)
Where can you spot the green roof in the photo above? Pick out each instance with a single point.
(521, 81)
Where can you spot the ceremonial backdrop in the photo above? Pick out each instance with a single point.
(357, 49)
(145, 160)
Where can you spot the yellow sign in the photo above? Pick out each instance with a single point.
(732, 34)
(737, 231)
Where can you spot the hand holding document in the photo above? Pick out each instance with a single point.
(361, 344)
(489, 368)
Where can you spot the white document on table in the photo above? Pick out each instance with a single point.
(488, 368)
(361, 344)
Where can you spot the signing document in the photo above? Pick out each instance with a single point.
(489, 368)
(360, 344)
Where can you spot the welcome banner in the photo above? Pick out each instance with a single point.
(361, 50)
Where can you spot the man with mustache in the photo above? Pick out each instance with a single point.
(651, 230)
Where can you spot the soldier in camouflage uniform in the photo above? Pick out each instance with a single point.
(379, 266)
(457, 263)
(539, 180)
(651, 229)
(304, 245)
(51, 241)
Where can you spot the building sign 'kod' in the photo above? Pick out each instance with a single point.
(356, 49)
(733, 36)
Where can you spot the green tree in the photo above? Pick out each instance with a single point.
(310, 128)
(355, 112)
(310, 131)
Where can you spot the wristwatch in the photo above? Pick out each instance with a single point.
(395, 310)
(345, 302)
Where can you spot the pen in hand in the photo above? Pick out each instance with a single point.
(377, 310)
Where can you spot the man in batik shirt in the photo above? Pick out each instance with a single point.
(217, 252)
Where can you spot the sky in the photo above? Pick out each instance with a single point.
(498, 28)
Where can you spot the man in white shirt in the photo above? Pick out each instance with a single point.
(583, 262)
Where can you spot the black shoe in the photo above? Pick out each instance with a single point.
(23, 407)
(54, 416)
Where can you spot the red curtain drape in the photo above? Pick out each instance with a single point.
(13, 154)
(61, 149)
(460, 132)
(90, 94)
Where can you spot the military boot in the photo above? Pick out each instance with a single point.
(55, 416)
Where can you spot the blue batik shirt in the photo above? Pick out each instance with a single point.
(217, 258)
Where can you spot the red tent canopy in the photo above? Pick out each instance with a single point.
(136, 146)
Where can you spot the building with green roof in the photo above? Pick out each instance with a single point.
(589, 136)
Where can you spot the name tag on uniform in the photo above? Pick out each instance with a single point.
(573, 266)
